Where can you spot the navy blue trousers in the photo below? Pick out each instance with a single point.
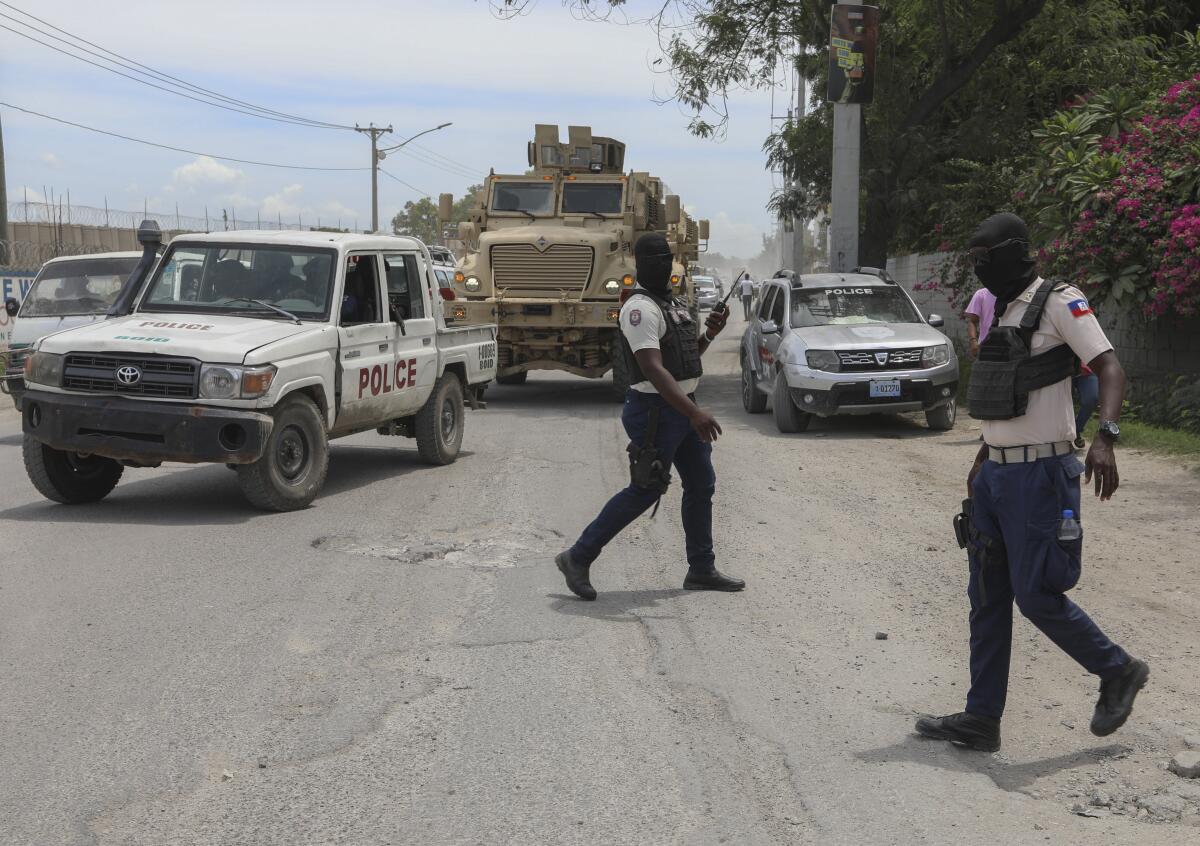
(678, 444)
(1022, 505)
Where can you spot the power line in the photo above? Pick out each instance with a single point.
(177, 149)
(454, 162)
(406, 184)
(463, 172)
(146, 70)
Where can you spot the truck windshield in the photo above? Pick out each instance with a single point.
(528, 197)
(78, 286)
(209, 278)
(846, 306)
(592, 197)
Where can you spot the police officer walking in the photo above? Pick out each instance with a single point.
(662, 347)
(1025, 538)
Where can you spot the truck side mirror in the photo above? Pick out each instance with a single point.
(936, 321)
(703, 230)
(769, 327)
(673, 208)
(11, 306)
(445, 207)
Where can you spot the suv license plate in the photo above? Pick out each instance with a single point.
(881, 388)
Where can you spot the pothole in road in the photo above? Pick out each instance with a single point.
(483, 547)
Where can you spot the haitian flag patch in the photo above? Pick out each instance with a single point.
(1080, 308)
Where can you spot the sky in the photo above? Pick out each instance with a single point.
(411, 64)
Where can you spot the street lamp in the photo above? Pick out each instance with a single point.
(378, 155)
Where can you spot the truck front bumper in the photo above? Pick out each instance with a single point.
(854, 398)
(145, 433)
(535, 313)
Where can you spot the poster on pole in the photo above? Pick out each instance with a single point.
(853, 38)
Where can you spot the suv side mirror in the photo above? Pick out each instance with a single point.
(769, 327)
(936, 321)
(11, 306)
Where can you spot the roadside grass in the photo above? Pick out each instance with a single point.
(1134, 434)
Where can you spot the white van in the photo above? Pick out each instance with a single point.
(69, 291)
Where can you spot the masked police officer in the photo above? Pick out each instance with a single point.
(666, 428)
(1024, 536)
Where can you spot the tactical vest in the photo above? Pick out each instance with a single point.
(680, 346)
(1005, 372)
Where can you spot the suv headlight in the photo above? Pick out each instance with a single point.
(44, 369)
(933, 356)
(472, 284)
(823, 360)
(612, 286)
(224, 381)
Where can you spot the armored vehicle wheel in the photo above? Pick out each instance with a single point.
(620, 371)
(513, 378)
(69, 477)
(788, 418)
(292, 469)
(753, 400)
(941, 419)
(439, 423)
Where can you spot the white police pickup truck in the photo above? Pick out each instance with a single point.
(253, 349)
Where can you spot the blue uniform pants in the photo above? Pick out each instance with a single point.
(678, 444)
(1021, 506)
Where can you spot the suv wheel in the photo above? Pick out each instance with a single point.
(293, 466)
(788, 418)
(439, 423)
(942, 418)
(753, 400)
(69, 477)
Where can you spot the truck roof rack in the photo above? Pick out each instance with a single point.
(876, 271)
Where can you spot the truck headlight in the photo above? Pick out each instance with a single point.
(472, 284)
(44, 369)
(823, 360)
(612, 286)
(223, 381)
(933, 356)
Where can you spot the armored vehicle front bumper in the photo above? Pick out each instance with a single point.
(535, 313)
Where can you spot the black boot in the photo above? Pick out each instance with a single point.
(712, 579)
(963, 729)
(576, 576)
(1116, 697)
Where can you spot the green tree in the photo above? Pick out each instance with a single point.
(418, 219)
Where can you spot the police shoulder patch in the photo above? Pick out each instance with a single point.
(1079, 307)
(635, 316)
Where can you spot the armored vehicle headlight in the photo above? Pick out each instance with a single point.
(823, 360)
(44, 368)
(933, 356)
(472, 284)
(219, 382)
(627, 280)
(612, 286)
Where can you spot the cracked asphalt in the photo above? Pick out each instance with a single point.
(401, 663)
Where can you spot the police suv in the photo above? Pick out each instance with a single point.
(253, 349)
(845, 343)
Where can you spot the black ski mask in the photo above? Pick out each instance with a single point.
(1004, 265)
(652, 255)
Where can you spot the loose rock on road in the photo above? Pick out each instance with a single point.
(401, 663)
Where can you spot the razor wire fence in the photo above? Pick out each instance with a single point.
(31, 255)
(66, 214)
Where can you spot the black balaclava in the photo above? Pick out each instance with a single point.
(1010, 269)
(652, 255)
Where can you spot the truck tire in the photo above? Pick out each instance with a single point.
(67, 477)
(753, 400)
(513, 378)
(439, 423)
(292, 469)
(941, 419)
(788, 418)
(620, 371)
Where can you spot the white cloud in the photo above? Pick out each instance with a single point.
(51, 160)
(25, 194)
(205, 170)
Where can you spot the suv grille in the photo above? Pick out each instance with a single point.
(861, 361)
(160, 377)
(524, 266)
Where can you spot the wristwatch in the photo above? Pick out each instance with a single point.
(1110, 428)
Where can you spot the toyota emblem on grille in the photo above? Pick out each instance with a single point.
(881, 358)
(128, 375)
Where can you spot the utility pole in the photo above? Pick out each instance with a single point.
(796, 254)
(374, 131)
(852, 51)
(4, 206)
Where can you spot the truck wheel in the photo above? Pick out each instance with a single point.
(620, 371)
(439, 423)
(68, 477)
(513, 378)
(941, 419)
(788, 418)
(753, 400)
(293, 466)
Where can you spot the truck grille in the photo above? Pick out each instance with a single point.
(524, 266)
(862, 361)
(160, 377)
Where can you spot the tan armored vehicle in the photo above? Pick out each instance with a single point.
(548, 253)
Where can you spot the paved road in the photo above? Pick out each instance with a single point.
(400, 664)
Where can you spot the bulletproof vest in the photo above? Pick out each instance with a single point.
(1005, 372)
(680, 346)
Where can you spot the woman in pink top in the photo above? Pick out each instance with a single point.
(980, 313)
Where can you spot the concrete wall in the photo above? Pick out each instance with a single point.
(916, 271)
